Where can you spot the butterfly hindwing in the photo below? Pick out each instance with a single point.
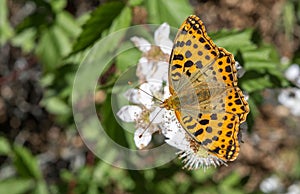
(218, 133)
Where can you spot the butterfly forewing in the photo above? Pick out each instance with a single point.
(192, 50)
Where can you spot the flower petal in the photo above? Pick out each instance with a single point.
(174, 133)
(144, 67)
(141, 43)
(166, 92)
(293, 72)
(142, 138)
(161, 38)
(146, 95)
(132, 95)
(156, 116)
(129, 113)
(159, 72)
(289, 97)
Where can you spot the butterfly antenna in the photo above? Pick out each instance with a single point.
(150, 123)
(138, 87)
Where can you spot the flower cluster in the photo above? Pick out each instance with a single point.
(152, 70)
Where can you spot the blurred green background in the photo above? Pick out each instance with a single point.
(42, 44)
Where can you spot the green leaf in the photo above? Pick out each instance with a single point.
(253, 103)
(100, 20)
(67, 24)
(47, 80)
(255, 81)
(58, 5)
(110, 124)
(42, 16)
(230, 183)
(6, 30)
(121, 21)
(231, 180)
(41, 188)
(210, 189)
(5, 148)
(16, 186)
(25, 40)
(56, 105)
(25, 163)
(135, 2)
(53, 45)
(92, 188)
(128, 58)
(260, 58)
(166, 186)
(234, 40)
(201, 177)
(173, 12)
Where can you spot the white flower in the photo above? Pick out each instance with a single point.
(141, 44)
(294, 188)
(161, 38)
(146, 115)
(271, 185)
(293, 74)
(152, 71)
(154, 62)
(129, 113)
(142, 137)
(291, 99)
(151, 91)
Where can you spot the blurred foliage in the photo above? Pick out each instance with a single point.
(60, 41)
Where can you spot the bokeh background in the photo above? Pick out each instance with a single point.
(42, 44)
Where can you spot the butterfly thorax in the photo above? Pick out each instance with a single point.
(187, 97)
(172, 103)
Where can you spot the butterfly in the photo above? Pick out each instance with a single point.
(204, 93)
